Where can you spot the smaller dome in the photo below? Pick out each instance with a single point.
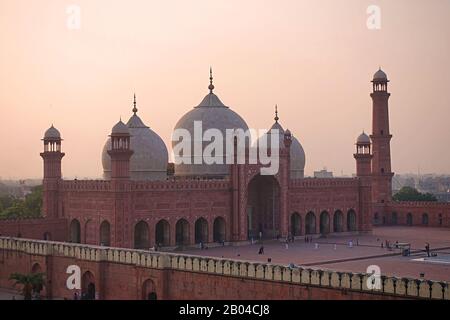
(380, 75)
(363, 139)
(120, 128)
(52, 133)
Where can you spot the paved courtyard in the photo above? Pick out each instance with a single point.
(334, 252)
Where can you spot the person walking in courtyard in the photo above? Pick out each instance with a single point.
(261, 250)
(427, 249)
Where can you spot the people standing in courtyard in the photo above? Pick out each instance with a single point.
(427, 249)
(261, 250)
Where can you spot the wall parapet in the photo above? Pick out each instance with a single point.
(86, 185)
(323, 182)
(171, 184)
(420, 204)
(400, 287)
(184, 184)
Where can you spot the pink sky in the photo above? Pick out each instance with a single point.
(315, 59)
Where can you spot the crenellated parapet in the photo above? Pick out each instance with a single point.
(311, 277)
(323, 183)
(86, 185)
(184, 184)
(420, 204)
(175, 184)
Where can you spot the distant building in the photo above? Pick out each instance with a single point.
(323, 174)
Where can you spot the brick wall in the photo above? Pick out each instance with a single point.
(132, 274)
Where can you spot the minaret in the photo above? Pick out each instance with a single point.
(381, 137)
(52, 157)
(120, 152)
(363, 158)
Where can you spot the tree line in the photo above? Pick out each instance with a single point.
(12, 207)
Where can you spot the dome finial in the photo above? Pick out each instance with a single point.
(211, 86)
(276, 113)
(135, 110)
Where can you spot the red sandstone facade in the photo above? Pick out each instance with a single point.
(180, 212)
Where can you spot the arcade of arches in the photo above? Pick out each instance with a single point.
(405, 218)
(263, 216)
(326, 223)
(183, 237)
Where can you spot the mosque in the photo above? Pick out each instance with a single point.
(143, 201)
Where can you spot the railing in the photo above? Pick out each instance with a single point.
(403, 287)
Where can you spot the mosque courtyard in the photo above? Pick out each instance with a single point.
(335, 253)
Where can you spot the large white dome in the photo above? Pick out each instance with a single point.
(213, 114)
(150, 158)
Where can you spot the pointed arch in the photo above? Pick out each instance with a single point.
(324, 222)
(182, 232)
(105, 234)
(310, 223)
(338, 221)
(162, 233)
(75, 231)
(141, 235)
(296, 224)
(219, 229)
(351, 220)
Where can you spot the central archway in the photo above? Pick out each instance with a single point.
(162, 233)
(141, 239)
(263, 207)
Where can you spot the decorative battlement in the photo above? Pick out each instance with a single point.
(25, 219)
(402, 287)
(105, 185)
(180, 184)
(324, 182)
(86, 185)
(421, 204)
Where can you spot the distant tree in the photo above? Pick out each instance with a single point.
(33, 202)
(411, 194)
(31, 283)
(30, 207)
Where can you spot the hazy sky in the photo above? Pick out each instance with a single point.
(314, 58)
